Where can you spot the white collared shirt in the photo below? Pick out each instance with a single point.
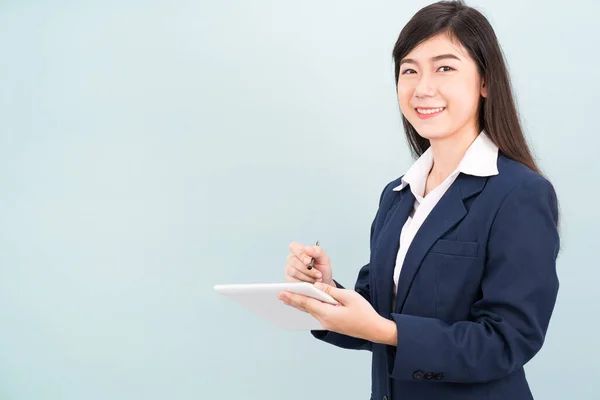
(480, 159)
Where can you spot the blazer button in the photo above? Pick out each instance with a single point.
(429, 376)
(439, 376)
(418, 375)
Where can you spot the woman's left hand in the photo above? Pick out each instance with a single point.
(352, 316)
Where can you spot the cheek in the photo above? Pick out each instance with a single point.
(461, 96)
(404, 96)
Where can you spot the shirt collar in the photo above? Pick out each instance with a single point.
(480, 159)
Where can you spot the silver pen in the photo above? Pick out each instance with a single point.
(312, 260)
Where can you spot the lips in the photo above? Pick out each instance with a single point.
(428, 112)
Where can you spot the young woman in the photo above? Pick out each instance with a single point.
(462, 282)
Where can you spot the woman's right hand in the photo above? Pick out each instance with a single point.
(296, 268)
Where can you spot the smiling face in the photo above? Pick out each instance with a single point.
(439, 89)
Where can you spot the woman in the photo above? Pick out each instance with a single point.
(461, 282)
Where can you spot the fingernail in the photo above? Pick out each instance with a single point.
(319, 275)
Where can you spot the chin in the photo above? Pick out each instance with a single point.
(432, 133)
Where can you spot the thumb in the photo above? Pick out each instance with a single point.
(316, 252)
(336, 293)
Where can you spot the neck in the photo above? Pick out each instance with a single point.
(448, 152)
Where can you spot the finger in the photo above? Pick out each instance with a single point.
(313, 251)
(317, 253)
(293, 272)
(294, 262)
(298, 250)
(302, 303)
(336, 293)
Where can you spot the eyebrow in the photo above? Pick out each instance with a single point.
(436, 58)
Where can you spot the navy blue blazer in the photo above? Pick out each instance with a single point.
(475, 293)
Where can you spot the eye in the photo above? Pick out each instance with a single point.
(446, 68)
(406, 71)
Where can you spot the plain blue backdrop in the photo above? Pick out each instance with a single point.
(152, 149)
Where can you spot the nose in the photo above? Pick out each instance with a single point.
(425, 87)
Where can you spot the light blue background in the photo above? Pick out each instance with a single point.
(152, 149)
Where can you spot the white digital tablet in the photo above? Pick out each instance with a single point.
(261, 298)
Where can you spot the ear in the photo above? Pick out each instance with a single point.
(483, 89)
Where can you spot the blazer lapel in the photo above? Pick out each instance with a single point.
(448, 212)
(387, 247)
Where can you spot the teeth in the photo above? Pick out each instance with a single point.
(429, 110)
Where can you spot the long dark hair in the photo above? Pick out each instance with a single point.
(497, 113)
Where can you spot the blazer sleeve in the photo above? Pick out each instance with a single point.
(363, 288)
(509, 322)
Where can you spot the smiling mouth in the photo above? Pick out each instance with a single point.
(429, 111)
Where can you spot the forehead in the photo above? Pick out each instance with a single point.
(441, 43)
